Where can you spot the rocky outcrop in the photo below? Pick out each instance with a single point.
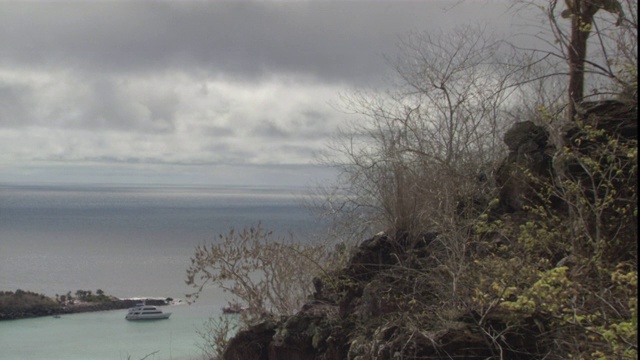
(359, 313)
(612, 116)
(346, 316)
(34, 311)
(252, 343)
(529, 155)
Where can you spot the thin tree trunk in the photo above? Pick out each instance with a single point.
(581, 22)
(577, 56)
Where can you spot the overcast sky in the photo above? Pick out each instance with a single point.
(194, 92)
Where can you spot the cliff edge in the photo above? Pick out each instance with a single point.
(391, 300)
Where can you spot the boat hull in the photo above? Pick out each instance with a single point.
(148, 316)
(144, 312)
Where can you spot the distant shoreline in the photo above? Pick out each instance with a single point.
(24, 305)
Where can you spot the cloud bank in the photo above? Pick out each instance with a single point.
(192, 91)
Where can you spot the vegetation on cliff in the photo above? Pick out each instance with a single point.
(509, 216)
(25, 303)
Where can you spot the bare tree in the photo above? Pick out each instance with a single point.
(261, 273)
(414, 155)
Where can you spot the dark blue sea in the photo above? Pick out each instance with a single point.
(129, 241)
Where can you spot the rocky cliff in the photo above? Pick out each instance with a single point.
(378, 308)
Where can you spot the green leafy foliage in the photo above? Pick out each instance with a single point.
(574, 263)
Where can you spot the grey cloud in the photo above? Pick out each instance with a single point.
(110, 106)
(267, 128)
(162, 109)
(313, 115)
(217, 147)
(172, 82)
(14, 102)
(315, 124)
(223, 153)
(218, 131)
(308, 125)
(302, 151)
(338, 41)
(107, 107)
(99, 103)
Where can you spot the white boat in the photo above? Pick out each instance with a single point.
(146, 312)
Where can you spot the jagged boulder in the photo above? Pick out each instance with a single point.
(373, 255)
(531, 153)
(313, 333)
(528, 156)
(252, 343)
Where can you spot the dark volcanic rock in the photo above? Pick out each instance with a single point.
(251, 344)
(530, 153)
(526, 137)
(373, 255)
(527, 145)
(613, 116)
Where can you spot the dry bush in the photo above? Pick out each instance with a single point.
(415, 154)
(266, 277)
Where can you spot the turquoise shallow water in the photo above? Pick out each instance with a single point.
(107, 335)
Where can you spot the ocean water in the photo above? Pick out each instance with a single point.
(130, 242)
(106, 335)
